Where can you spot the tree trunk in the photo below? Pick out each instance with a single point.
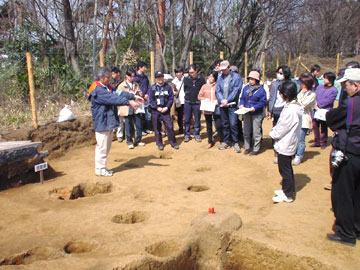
(70, 35)
(172, 38)
(189, 31)
(160, 36)
(94, 56)
(106, 30)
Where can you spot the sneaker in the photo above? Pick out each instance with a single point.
(161, 147)
(120, 140)
(224, 146)
(254, 153)
(186, 139)
(315, 145)
(104, 172)
(237, 148)
(131, 146)
(327, 186)
(197, 138)
(148, 131)
(275, 160)
(296, 161)
(278, 192)
(281, 197)
(143, 133)
(163, 134)
(247, 151)
(175, 146)
(140, 144)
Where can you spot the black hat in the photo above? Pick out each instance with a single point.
(159, 74)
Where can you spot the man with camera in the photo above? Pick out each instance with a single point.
(345, 160)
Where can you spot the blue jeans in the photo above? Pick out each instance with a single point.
(189, 110)
(301, 148)
(129, 126)
(229, 124)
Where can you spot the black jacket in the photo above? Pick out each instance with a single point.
(346, 121)
(192, 89)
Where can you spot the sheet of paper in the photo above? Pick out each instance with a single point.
(320, 114)
(208, 105)
(243, 110)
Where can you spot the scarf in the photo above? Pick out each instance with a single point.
(252, 89)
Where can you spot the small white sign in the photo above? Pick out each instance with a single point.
(41, 167)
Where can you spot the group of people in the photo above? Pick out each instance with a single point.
(294, 110)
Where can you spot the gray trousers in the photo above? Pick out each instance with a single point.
(252, 124)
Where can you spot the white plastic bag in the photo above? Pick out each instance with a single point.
(65, 115)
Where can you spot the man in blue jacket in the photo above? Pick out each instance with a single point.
(228, 88)
(105, 117)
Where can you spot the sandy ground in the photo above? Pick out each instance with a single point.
(156, 185)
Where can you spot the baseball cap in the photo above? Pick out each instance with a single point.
(168, 77)
(224, 65)
(341, 73)
(352, 74)
(159, 74)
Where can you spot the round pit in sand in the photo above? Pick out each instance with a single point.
(79, 247)
(130, 217)
(164, 248)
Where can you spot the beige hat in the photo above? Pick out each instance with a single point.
(254, 75)
(224, 65)
(352, 74)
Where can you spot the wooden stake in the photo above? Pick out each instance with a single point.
(152, 67)
(101, 56)
(42, 177)
(308, 70)
(222, 55)
(246, 67)
(277, 60)
(298, 66)
(263, 66)
(337, 64)
(289, 61)
(32, 89)
(191, 58)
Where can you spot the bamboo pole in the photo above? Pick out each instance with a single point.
(308, 70)
(101, 56)
(289, 60)
(222, 55)
(263, 66)
(246, 67)
(277, 60)
(298, 66)
(337, 64)
(152, 67)
(191, 58)
(32, 89)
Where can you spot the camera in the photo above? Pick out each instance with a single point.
(337, 157)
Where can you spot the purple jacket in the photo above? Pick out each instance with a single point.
(325, 97)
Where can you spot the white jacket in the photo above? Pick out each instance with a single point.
(286, 133)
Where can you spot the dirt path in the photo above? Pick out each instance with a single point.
(158, 187)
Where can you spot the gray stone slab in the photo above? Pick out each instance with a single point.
(17, 150)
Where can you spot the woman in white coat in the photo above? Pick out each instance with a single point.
(286, 134)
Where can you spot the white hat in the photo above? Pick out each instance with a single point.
(352, 74)
(224, 65)
(167, 77)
